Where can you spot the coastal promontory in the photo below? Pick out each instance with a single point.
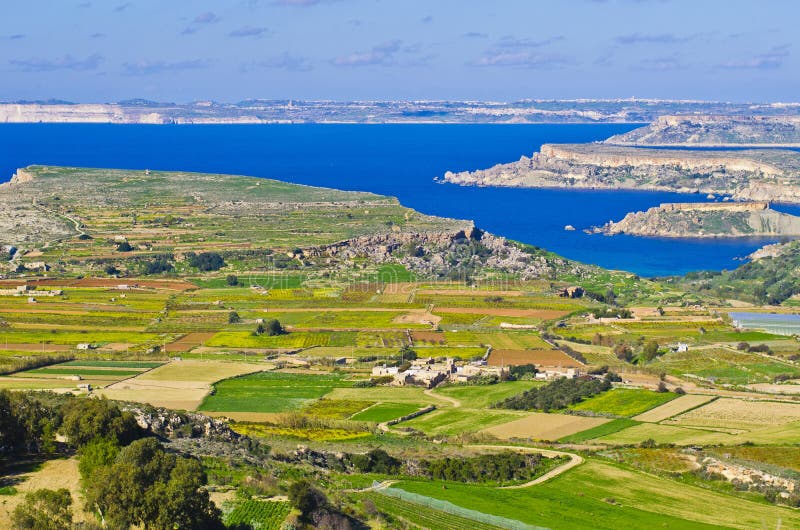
(753, 174)
(723, 219)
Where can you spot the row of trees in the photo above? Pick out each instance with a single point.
(558, 394)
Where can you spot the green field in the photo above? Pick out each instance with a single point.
(270, 392)
(295, 339)
(724, 366)
(582, 498)
(454, 421)
(83, 372)
(423, 516)
(481, 396)
(624, 402)
(263, 515)
(601, 430)
(780, 434)
(113, 364)
(385, 412)
(336, 408)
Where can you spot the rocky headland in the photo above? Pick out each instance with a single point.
(715, 131)
(747, 219)
(766, 174)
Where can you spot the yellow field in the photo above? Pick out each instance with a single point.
(728, 413)
(180, 384)
(54, 474)
(787, 433)
(673, 408)
(541, 426)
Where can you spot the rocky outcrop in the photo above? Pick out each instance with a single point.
(754, 219)
(742, 175)
(456, 254)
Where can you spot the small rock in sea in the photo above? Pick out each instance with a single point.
(569, 227)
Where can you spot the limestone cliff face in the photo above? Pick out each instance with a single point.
(742, 175)
(753, 219)
(614, 158)
(111, 113)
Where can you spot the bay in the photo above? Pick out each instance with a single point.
(399, 160)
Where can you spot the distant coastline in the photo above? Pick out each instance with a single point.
(139, 111)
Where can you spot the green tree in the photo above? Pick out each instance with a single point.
(234, 318)
(232, 280)
(87, 419)
(149, 487)
(271, 328)
(12, 435)
(206, 261)
(27, 424)
(650, 351)
(97, 453)
(44, 510)
(124, 247)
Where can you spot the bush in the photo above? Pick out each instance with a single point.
(44, 510)
(306, 498)
(376, 461)
(206, 261)
(124, 247)
(270, 328)
(232, 280)
(158, 266)
(522, 371)
(234, 318)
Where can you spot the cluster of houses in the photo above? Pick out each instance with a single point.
(429, 373)
(28, 290)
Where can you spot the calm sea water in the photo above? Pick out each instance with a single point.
(398, 160)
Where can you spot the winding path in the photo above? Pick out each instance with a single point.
(453, 401)
(575, 460)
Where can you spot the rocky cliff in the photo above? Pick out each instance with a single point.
(752, 219)
(775, 131)
(766, 174)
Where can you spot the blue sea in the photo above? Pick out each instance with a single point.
(398, 160)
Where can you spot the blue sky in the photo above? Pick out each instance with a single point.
(501, 50)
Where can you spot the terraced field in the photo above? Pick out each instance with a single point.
(270, 392)
(624, 402)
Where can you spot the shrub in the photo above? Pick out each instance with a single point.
(206, 261)
(44, 510)
(124, 247)
(232, 280)
(158, 266)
